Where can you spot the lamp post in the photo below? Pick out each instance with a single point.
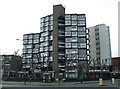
(25, 69)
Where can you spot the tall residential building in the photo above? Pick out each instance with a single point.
(100, 47)
(61, 45)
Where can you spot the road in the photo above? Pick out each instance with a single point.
(60, 88)
(63, 85)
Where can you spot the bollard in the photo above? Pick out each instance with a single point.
(100, 81)
(113, 80)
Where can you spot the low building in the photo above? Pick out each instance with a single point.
(116, 67)
(11, 64)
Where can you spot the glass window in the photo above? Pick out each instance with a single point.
(74, 33)
(24, 36)
(82, 40)
(50, 27)
(74, 28)
(51, 37)
(81, 23)
(68, 51)
(74, 22)
(74, 51)
(68, 45)
(81, 34)
(74, 17)
(68, 39)
(30, 36)
(68, 28)
(74, 45)
(41, 39)
(81, 17)
(46, 38)
(50, 48)
(36, 36)
(41, 29)
(35, 50)
(41, 49)
(51, 17)
(81, 29)
(74, 39)
(29, 50)
(46, 28)
(82, 45)
(28, 55)
(30, 41)
(68, 22)
(51, 22)
(28, 46)
(36, 41)
(67, 17)
(24, 41)
(46, 18)
(45, 48)
(68, 33)
(42, 20)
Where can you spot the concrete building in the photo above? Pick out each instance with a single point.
(61, 46)
(100, 47)
(11, 64)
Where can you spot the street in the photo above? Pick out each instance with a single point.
(61, 85)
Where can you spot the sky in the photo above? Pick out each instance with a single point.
(18, 17)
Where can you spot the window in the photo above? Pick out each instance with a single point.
(74, 39)
(74, 51)
(46, 38)
(67, 17)
(29, 36)
(51, 17)
(45, 48)
(68, 39)
(42, 20)
(41, 49)
(28, 46)
(74, 22)
(30, 41)
(41, 39)
(74, 17)
(82, 51)
(36, 36)
(36, 41)
(81, 23)
(24, 36)
(81, 17)
(24, 41)
(35, 50)
(50, 48)
(81, 29)
(74, 28)
(82, 40)
(81, 34)
(68, 45)
(82, 45)
(68, 22)
(74, 45)
(74, 33)
(67, 28)
(68, 51)
(51, 37)
(68, 33)
(29, 50)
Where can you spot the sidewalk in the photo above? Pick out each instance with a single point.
(78, 84)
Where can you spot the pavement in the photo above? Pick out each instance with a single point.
(106, 83)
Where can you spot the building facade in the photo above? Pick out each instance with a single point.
(60, 47)
(100, 48)
(11, 65)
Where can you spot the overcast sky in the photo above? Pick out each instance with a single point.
(18, 17)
